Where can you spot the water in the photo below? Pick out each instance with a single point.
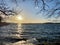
(42, 32)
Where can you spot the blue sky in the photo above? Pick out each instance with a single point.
(29, 11)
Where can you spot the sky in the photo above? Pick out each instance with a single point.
(29, 12)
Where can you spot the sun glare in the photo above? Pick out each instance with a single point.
(19, 17)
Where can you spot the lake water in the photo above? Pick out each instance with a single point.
(49, 32)
(41, 31)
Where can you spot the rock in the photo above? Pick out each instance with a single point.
(33, 40)
(22, 43)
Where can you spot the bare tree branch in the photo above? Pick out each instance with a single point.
(44, 6)
(52, 12)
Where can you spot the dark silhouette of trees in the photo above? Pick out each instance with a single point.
(0, 18)
(46, 6)
(4, 10)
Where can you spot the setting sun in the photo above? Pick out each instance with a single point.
(19, 17)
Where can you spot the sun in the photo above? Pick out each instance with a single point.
(19, 17)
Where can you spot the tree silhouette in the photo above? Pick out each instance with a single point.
(44, 4)
(4, 10)
(45, 7)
